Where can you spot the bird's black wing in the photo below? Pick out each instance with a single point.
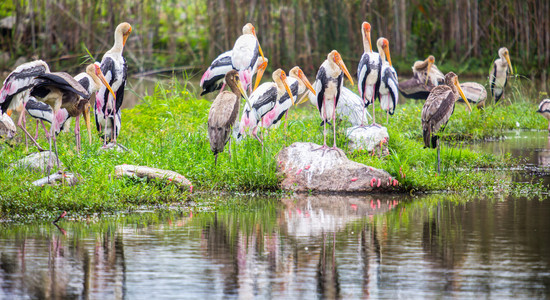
(362, 76)
(340, 85)
(222, 60)
(62, 81)
(85, 82)
(322, 78)
(294, 89)
(120, 91)
(255, 56)
(21, 79)
(265, 102)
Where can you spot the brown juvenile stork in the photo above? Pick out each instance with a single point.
(544, 110)
(223, 114)
(437, 110)
(60, 90)
(499, 73)
(426, 76)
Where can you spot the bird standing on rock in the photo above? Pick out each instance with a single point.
(388, 92)
(223, 114)
(437, 110)
(368, 70)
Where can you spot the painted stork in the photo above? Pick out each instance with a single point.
(388, 92)
(368, 70)
(264, 106)
(16, 88)
(245, 54)
(43, 112)
(59, 90)
(544, 110)
(426, 76)
(328, 84)
(299, 85)
(213, 78)
(474, 92)
(437, 110)
(113, 66)
(223, 114)
(499, 73)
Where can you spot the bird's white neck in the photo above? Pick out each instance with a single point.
(381, 53)
(366, 45)
(118, 47)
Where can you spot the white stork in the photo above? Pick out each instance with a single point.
(368, 70)
(299, 84)
(499, 73)
(245, 54)
(16, 88)
(113, 66)
(263, 106)
(328, 85)
(388, 92)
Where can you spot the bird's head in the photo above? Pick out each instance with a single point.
(279, 77)
(384, 46)
(297, 73)
(365, 29)
(262, 66)
(232, 79)
(451, 79)
(505, 54)
(431, 61)
(124, 30)
(335, 57)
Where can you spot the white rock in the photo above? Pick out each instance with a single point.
(64, 178)
(7, 127)
(37, 161)
(306, 170)
(367, 138)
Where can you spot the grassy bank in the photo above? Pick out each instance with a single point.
(168, 131)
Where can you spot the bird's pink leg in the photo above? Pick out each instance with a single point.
(19, 124)
(45, 129)
(25, 125)
(286, 114)
(324, 117)
(255, 134)
(334, 124)
(36, 131)
(373, 115)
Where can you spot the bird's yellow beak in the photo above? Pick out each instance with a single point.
(306, 82)
(243, 93)
(125, 36)
(283, 78)
(462, 95)
(430, 63)
(261, 71)
(303, 99)
(507, 56)
(86, 115)
(104, 80)
(342, 66)
(9, 112)
(259, 47)
(387, 52)
(367, 33)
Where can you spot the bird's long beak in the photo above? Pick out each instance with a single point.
(507, 56)
(303, 99)
(462, 95)
(243, 93)
(261, 71)
(306, 82)
(342, 66)
(104, 81)
(125, 36)
(259, 46)
(86, 115)
(428, 72)
(9, 112)
(387, 52)
(368, 39)
(283, 78)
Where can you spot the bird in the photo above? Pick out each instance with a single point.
(388, 92)
(437, 110)
(499, 73)
(368, 70)
(16, 88)
(59, 90)
(213, 78)
(544, 110)
(223, 114)
(328, 85)
(474, 92)
(299, 85)
(263, 106)
(113, 66)
(91, 80)
(244, 55)
(426, 76)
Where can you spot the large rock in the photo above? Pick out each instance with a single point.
(368, 138)
(37, 161)
(154, 173)
(7, 127)
(328, 171)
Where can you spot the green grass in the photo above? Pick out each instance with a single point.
(168, 130)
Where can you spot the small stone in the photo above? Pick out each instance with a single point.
(64, 178)
(367, 138)
(154, 173)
